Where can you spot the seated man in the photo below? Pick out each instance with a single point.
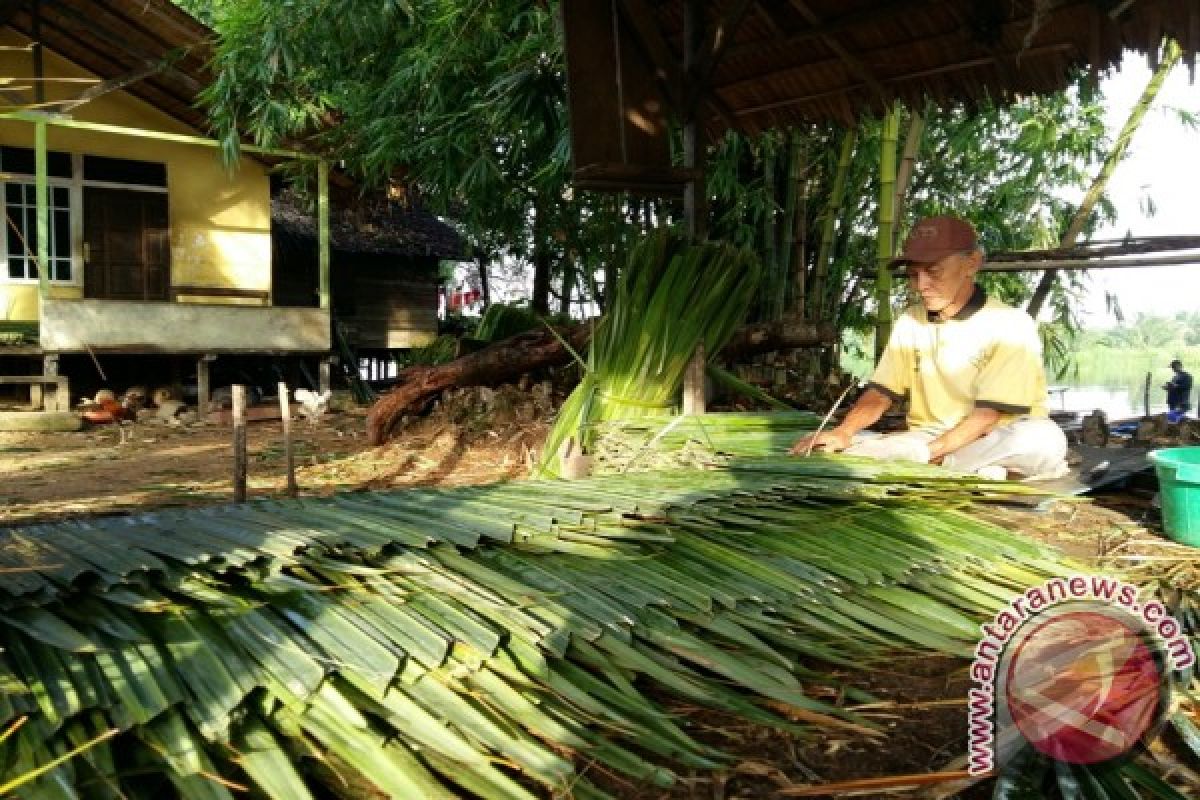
(970, 366)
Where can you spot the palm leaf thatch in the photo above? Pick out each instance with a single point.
(503, 641)
(481, 640)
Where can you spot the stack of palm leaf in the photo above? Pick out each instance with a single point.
(491, 640)
(696, 440)
(671, 297)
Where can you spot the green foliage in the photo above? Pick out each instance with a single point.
(672, 296)
(440, 351)
(466, 101)
(501, 321)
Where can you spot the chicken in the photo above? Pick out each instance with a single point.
(313, 405)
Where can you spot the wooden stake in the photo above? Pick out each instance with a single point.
(694, 397)
(285, 412)
(239, 443)
(203, 387)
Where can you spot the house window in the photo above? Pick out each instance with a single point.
(20, 206)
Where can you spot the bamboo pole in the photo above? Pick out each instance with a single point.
(42, 201)
(829, 224)
(890, 134)
(795, 233)
(912, 146)
(770, 233)
(285, 415)
(239, 443)
(1171, 56)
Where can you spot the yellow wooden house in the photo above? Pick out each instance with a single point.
(150, 243)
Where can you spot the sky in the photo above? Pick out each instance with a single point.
(1164, 164)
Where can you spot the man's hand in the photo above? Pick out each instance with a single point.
(833, 441)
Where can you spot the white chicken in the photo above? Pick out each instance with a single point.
(313, 405)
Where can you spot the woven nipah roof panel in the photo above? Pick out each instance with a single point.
(793, 61)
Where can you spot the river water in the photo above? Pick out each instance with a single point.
(1115, 402)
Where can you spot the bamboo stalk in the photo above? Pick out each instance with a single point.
(773, 285)
(912, 146)
(833, 211)
(889, 135)
(1171, 56)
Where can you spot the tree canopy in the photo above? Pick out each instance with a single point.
(464, 102)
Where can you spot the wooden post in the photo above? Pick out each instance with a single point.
(325, 380)
(203, 387)
(285, 414)
(239, 443)
(694, 398)
(62, 392)
(42, 200)
(323, 231)
(695, 194)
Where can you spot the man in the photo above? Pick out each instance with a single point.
(1179, 390)
(970, 366)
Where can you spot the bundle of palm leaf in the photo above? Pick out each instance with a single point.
(671, 297)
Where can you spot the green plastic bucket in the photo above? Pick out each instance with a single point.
(1178, 471)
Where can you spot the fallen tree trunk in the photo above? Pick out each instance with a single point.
(506, 360)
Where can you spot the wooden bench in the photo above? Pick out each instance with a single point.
(61, 400)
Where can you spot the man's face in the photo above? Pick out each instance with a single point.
(941, 282)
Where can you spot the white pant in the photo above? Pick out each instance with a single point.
(1033, 446)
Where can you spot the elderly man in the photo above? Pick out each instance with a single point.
(970, 366)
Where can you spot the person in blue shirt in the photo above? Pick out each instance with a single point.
(1179, 390)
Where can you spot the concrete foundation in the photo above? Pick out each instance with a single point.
(75, 326)
(40, 421)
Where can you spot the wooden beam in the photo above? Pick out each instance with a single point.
(122, 35)
(113, 84)
(878, 13)
(842, 90)
(98, 62)
(35, 13)
(143, 133)
(1052, 264)
(852, 62)
(672, 77)
(719, 41)
(640, 18)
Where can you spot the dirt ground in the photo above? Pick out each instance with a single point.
(106, 470)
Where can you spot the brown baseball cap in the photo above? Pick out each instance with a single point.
(934, 238)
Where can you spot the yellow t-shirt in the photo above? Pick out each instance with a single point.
(989, 355)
